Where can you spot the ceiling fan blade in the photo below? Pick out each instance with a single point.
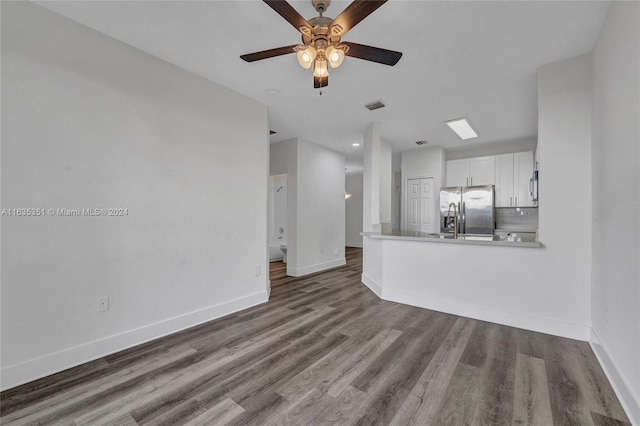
(256, 56)
(374, 54)
(319, 82)
(353, 14)
(287, 11)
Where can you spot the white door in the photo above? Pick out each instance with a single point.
(426, 205)
(458, 172)
(413, 205)
(420, 202)
(482, 170)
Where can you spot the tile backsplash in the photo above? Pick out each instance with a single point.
(517, 218)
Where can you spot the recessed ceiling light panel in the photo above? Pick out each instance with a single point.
(463, 128)
(355, 144)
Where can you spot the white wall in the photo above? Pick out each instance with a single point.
(377, 180)
(386, 178)
(615, 299)
(353, 211)
(88, 122)
(564, 149)
(321, 208)
(316, 214)
(423, 163)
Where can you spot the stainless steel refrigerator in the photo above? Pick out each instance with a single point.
(475, 209)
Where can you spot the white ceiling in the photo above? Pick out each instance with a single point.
(474, 58)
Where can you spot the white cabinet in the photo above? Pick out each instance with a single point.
(522, 175)
(471, 171)
(482, 170)
(458, 172)
(513, 173)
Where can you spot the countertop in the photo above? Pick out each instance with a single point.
(488, 240)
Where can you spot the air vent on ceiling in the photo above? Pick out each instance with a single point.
(422, 142)
(271, 132)
(374, 105)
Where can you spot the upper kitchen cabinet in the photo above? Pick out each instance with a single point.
(471, 171)
(513, 173)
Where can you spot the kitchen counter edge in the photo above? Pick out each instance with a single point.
(376, 235)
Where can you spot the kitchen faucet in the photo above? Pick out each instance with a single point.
(455, 219)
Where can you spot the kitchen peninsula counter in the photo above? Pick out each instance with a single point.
(510, 283)
(488, 240)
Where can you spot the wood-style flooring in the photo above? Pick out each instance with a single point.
(325, 350)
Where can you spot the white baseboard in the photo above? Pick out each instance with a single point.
(629, 401)
(306, 270)
(491, 314)
(373, 286)
(33, 369)
(355, 244)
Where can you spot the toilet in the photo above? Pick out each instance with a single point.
(283, 247)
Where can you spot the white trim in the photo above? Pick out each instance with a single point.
(27, 371)
(306, 270)
(491, 314)
(624, 392)
(355, 244)
(373, 286)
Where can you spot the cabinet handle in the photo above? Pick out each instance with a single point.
(531, 187)
(516, 205)
(471, 178)
(510, 201)
(467, 181)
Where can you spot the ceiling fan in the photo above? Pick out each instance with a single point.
(321, 38)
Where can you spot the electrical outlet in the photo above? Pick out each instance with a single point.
(256, 270)
(103, 304)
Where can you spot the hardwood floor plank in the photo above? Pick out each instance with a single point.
(219, 414)
(600, 420)
(386, 397)
(337, 381)
(461, 397)
(326, 350)
(497, 382)
(340, 410)
(302, 410)
(600, 396)
(427, 395)
(531, 403)
(71, 401)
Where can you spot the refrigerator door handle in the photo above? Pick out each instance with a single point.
(463, 219)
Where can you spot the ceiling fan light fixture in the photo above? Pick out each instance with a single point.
(320, 69)
(306, 55)
(335, 56)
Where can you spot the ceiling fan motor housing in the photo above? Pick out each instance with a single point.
(320, 6)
